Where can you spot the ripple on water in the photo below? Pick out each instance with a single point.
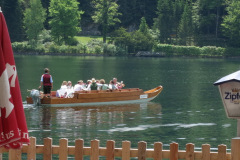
(145, 127)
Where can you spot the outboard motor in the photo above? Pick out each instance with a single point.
(35, 95)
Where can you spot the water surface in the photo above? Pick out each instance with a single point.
(189, 109)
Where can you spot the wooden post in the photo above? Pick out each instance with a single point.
(142, 146)
(31, 152)
(157, 151)
(47, 149)
(63, 149)
(174, 151)
(110, 150)
(222, 152)
(1, 153)
(189, 151)
(126, 150)
(206, 152)
(79, 144)
(15, 154)
(235, 148)
(238, 127)
(94, 150)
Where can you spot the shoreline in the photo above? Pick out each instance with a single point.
(132, 55)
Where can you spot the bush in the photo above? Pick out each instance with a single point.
(24, 47)
(72, 42)
(53, 48)
(170, 50)
(109, 49)
(19, 46)
(95, 46)
(134, 41)
(98, 49)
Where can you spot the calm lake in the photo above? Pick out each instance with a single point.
(189, 109)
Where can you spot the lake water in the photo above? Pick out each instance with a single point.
(189, 109)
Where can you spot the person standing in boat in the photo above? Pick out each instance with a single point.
(47, 82)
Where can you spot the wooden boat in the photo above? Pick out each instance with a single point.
(86, 98)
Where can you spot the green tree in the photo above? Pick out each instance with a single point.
(64, 22)
(133, 10)
(133, 41)
(106, 13)
(209, 15)
(185, 31)
(164, 20)
(231, 21)
(34, 17)
(178, 7)
(143, 27)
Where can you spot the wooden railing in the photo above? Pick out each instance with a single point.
(125, 153)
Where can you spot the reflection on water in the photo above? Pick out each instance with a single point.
(91, 122)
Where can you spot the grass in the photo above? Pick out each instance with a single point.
(86, 39)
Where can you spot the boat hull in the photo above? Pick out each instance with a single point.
(84, 98)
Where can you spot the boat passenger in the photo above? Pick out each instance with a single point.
(98, 82)
(63, 90)
(102, 85)
(70, 90)
(112, 86)
(79, 86)
(88, 85)
(94, 84)
(69, 85)
(117, 84)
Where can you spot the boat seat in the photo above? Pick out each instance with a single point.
(53, 93)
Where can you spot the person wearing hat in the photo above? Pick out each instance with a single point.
(94, 84)
(47, 82)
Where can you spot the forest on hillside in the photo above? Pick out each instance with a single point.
(175, 22)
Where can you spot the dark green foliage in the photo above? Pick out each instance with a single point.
(185, 30)
(133, 10)
(209, 15)
(231, 23)
(46, 4)
(132, 41)
(87, 7)
(164, 20)
(13, 13)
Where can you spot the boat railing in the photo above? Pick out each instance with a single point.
(109, 90)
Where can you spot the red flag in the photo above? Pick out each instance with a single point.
(13, 127)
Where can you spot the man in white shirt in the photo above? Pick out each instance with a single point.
(79, 86)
